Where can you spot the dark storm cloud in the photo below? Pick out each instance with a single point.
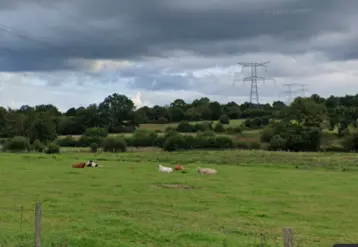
(138, 29)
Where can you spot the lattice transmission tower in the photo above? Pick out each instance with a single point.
(291, 92)
(254, 79)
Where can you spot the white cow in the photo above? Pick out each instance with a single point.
(165, 169)
(206, 170)
(90, 163)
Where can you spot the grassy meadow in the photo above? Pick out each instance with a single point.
(127, 202)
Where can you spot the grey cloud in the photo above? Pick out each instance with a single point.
(154, 28)
(172, 38)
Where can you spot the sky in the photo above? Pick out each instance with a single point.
(73, 53)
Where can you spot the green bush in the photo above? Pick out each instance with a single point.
(114, 144)
(219, 128)
(266, 135)
(208, 133)
(3, 141)
(52, 148)
(255, 145)
(169, 129)
(277, 142)
(159, 142)
(17, 144)
(224, 142)
(144, 138)
(92, 135)
(242, 145)
(185, 127)
(171, 133)
(67, 141)
(38, 146)
(96, 131)
(173, 143)
(224, 119)
(234, 130)
(94, 147)
(350, 142)
(203, 126)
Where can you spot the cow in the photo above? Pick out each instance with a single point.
(206, 171)
(179, 167)
(79, 165)
(90, 163)
(165, 169)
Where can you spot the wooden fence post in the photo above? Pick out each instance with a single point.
(287, 237)
(38, 215)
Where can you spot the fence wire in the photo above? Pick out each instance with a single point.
(59, 229)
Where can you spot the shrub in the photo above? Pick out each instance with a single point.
(94, 147)
(204, 126)
(185, 127)
(3, 141)
(224, 119)
(144, 138)
(52, 148)
(38, 146)
(114, 144)
(350, 142)
(294, 137)
(159, 142)
(224, 142)
(96, 131)
(189, 142)
(208, 133)
(171, 133)
(17, 143)
(219, 128)
(266, 135)
(169, 129)
(173, 143)
(67, 141)
(242, 145)
(255, 145)
(234, 130)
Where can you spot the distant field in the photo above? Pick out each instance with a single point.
(128, 203)
(162, 127)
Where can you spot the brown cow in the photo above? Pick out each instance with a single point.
(179, 167)
(79, 165)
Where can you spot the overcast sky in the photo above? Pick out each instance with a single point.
(76, 52)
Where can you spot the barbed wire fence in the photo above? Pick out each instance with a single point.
(25, 234)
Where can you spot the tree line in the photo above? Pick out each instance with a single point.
(304, 119)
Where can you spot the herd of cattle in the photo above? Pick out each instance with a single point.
(178, 167)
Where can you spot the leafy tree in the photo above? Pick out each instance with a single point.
(115, 110)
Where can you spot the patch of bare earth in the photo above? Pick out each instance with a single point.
(175, 186)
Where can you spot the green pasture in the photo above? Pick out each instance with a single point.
(127, 202)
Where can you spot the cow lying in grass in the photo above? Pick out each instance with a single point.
(179, 167)
(206, 170)
(165, 169)
(90, 163)
(79, 165)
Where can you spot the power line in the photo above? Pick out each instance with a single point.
(290, 92)
(254, 78)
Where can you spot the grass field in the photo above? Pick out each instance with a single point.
(128, 203)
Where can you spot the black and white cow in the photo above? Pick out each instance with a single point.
(90, 163)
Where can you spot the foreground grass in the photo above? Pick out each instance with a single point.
(126, 203)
